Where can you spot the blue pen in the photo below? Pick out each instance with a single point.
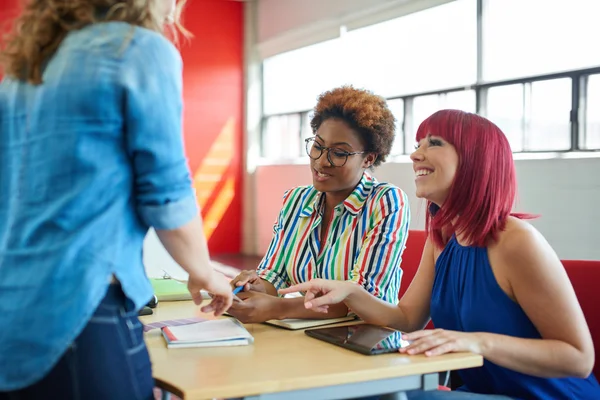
(238, 289)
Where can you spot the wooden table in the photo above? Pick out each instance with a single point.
(288, 365)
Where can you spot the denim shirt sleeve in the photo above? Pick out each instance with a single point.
(152, 78)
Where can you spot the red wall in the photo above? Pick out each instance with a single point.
(213, 95)
(8, 10)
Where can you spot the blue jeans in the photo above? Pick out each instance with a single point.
(108, 360)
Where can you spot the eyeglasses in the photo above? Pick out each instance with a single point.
(336, 157)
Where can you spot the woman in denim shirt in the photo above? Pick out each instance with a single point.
(91, 156)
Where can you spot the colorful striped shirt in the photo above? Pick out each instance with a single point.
(364, 242)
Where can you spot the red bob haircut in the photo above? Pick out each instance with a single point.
(484, 189)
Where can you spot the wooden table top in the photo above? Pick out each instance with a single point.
(279, 360)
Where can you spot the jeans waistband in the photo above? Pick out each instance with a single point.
(114, 296)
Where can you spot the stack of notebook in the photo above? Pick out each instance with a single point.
(214, 333)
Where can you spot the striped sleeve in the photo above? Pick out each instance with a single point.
(377, 267)
(272, 268)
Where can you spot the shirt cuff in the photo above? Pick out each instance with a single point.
(170, 215)
(369, 287)
(273, 279)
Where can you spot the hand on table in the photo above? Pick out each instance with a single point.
(435, 342)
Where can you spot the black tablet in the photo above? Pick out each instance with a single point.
(366, 339)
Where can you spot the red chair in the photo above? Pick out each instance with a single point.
(411, 258)
(585, 276)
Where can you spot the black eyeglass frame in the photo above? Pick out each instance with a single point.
(328, 149)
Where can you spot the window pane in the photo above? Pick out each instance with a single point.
(397, 108)
(532, 37)
(549, 126)
(388, 58)
(591, 134)
(306, 128)
(424, 106)
(428, 50)
(293, 80)
(505, 109)
(463, 100)
(281, 137)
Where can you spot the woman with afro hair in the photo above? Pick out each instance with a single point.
(345, 226)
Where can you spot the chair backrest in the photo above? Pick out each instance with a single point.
(411, 257)
(585, 278)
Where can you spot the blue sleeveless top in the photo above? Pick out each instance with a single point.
(466, 297)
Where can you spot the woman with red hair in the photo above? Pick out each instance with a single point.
(489, 281)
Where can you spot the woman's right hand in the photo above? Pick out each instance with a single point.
(251, 282)
(321, 293)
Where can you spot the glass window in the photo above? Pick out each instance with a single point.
(533, 116)
(590, 137)
(549, 126)
(410, 54)
(428, 50)
(505, 108)
(424, 106)
(397, 108)
(293, 80)
(306, 128)
(463, 100)
(281, 137)
(532, 37)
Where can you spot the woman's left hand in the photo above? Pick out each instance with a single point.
(255, 307)
(434, 342)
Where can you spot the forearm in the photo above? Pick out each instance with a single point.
(538, 357)
(187, 245)
(294, 308)
(374, 310)
(269, 287)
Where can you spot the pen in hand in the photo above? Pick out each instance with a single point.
(238, 289)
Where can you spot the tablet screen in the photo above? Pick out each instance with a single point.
(366, 338)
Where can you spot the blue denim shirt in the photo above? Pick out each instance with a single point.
(89, 160)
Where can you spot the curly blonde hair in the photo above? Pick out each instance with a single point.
(43, 24)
